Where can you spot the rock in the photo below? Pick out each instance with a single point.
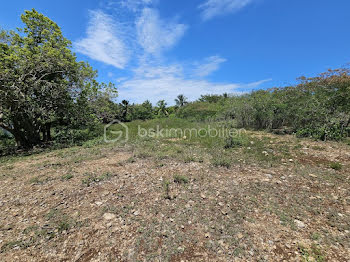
(299, 223)
(268, 175)
(312, 175)
(98, 203)
(203, 196)
(109, 216)
(240, 236)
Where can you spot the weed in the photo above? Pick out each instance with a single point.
(131, 160)
(59, 220)
(335, 165)
(233, 142)
(91, 178)
(66, 177)
(166, 186)
(38, 180)
(180, 179)
(222, 161)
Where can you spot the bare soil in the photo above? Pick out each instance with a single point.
(105, 204)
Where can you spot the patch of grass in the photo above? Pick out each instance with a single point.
(92, 178)
(335, 165)
(233, 142)
(166, 186)
(66, 177)
(180, 179)
(38, 180)
(59, 220)
(221, 161)
(131, 160)
(314, 253)
(12, 244)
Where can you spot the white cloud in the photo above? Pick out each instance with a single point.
(168, 87)
(212, 8)
(143, 39)
(105, 41)
(208, 66)
(166, 82)
(156, 35)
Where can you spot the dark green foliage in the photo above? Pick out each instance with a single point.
(233, 142)
(180, 179)
(43, 86)
(335, 165)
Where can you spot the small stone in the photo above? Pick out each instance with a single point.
(109, 216)
(207, 235)
(268, 175)
(203, 196)
(240, 236)
(312, 175)
(98, 203)
(299, 223)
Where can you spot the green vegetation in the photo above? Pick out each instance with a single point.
(180, 179)
(335, 165)
(92, 178)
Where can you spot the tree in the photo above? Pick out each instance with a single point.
(103, 106)
(143, 111)
(181, 100)
(162, 111)
(124, 110)
(41, 83)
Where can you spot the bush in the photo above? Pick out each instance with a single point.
(199, 111)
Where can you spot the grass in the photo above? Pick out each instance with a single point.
(221, 162)
(67, 177)
(92, 178)
(335, 165)
(180, 179)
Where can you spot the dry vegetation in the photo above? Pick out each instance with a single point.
(275, 198)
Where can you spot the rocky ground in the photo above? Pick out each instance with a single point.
(110, 204)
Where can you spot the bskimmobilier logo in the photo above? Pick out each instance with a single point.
(121, 135)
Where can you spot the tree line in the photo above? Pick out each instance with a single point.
(47, 95)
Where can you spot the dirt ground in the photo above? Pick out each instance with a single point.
(105, 204)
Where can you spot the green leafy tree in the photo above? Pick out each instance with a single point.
(41, 83)
(143, 111)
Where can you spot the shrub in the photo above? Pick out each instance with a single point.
(180, 179)
(335, 165)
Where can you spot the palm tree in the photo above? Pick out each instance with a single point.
(181, 100)
(162, 108)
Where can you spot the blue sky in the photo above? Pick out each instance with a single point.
(157, 49)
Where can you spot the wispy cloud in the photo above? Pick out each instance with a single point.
(138, 44)
(208, 66)
(136, 5)
(104, 41)
(213, 8)
(166, 82)
(156, 35)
